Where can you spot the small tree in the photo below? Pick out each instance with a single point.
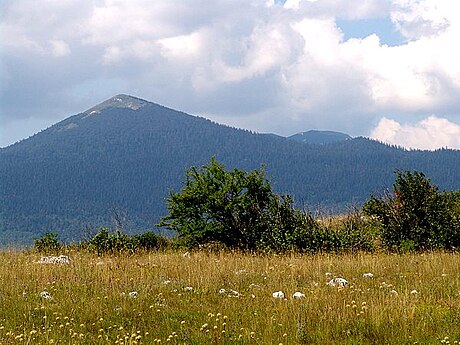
(415, 216)
(105, 242)
(235, 208)
(48, 243)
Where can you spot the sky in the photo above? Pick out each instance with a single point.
(385, 69)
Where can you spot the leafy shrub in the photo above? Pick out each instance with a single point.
(105, 242)
(47, 244)
(235, 208)
(415, 216)
(358, 232)
(338, 234)
(285, 226)
(149, 241)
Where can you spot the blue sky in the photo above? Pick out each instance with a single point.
(362, 28)
(387, 69)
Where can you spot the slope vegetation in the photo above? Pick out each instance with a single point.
(126, 154)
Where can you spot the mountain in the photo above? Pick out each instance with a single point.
(319, 137)
(126, 154)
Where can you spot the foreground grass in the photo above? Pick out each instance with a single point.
(175, 299)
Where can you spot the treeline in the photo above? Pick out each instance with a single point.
(221, 209)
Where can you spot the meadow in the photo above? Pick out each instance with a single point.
(227, 298)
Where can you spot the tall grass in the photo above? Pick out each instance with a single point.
(176, 299)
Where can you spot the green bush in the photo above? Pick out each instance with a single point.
(286, 228)
(149, 241)
(235, 208)
(105, 242)
(415, 216)
(339, 234)
(358, 232)
(47, 244)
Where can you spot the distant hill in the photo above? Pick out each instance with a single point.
(319, 137)
(126, 154)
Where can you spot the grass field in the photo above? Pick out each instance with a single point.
(227, 299)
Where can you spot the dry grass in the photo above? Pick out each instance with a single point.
(411, 299)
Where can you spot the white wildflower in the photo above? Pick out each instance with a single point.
(188, 288)
(394, 292)
(368, 275)
(167, 281)
(233, 293)
(133, 294)
(298, 295)
(338, 282)
(45, 295)
(278, 294)
(61, 259)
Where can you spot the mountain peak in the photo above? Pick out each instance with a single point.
(118, 101)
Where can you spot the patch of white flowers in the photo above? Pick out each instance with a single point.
(133, 294)
(298, 295)
(230, 293)
(341, 282)
(45, 295)
(278, 294)
(61, 259)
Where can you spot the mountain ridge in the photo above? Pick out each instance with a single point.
(319, 137)
(72, 175)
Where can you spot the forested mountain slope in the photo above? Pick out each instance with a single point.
(126, 154)
(319, 137)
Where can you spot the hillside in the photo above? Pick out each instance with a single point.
(125, 154)
(319, 137)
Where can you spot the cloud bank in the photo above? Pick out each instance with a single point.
(258, 64)
(429, 134)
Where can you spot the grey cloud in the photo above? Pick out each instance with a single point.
(246, 66)
(344, 9)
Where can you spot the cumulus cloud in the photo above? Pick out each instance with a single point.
(258, 64)
(423, 19)
(428, 134)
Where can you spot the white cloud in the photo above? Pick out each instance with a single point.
(428, 134)
(282, 69)
(182, 46)
(59, 48)
(417, 19)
